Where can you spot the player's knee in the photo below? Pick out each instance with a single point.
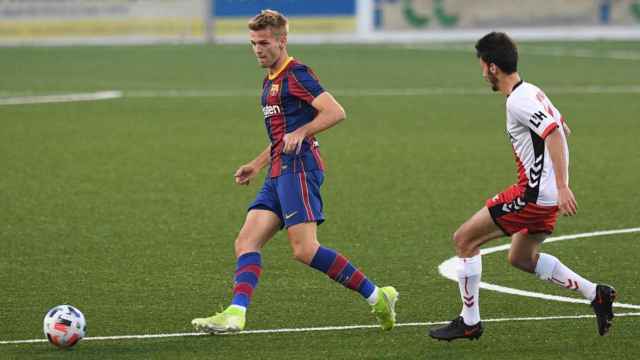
(513, 260)
(461, 242)
(303, 251)
(522, 263)
(298, 254)
(244, 245)
(302, 254)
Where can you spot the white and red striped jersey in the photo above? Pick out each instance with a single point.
(531, 117)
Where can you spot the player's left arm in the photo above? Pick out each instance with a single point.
(533, 115)
(556, 143)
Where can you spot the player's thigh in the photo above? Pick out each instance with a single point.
(304, 241)
(478, 229)
(258, 228)
(300, 199)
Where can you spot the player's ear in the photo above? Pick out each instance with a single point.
(493, 68)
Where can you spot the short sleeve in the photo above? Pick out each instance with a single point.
(304, 84)
(533, 115)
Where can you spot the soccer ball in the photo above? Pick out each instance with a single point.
(64, 326)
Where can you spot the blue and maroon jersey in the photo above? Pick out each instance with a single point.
(286, 104)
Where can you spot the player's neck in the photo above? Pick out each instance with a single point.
(277, 66)
(508, 83)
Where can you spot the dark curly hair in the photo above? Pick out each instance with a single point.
(499, 49)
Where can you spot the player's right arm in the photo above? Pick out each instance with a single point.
(248, 171)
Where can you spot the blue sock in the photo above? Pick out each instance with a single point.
(246, 278)
(340, 269)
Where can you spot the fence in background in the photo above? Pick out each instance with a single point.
(312, 21)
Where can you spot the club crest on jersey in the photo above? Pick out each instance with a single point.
(275, 88)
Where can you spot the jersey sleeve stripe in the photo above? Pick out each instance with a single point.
(549, 130)
(297, 90)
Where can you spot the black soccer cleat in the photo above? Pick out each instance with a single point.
(457, 329)
(602, 306)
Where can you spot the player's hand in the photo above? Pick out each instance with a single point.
(244, 174)
(567, 130)
(567, 202)
(293, 141)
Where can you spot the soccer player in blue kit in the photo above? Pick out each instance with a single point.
(295, 108)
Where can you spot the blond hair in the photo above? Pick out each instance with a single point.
(270, 19)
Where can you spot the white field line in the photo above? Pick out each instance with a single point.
(8, 98)
(448, 269)
(314, 329)
(585, 53)
(426, 91)
(59, 98)
(539, 50)
(192, 93)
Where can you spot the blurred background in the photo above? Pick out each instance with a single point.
(145, 21)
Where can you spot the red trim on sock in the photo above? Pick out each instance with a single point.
(338, 265)
(256, 269)
(243, 288)
(356, 280)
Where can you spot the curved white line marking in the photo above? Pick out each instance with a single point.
(448, 269)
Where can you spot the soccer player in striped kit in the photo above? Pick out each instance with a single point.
(526, 211)
(295, 109)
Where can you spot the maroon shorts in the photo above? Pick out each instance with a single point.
(513, 214)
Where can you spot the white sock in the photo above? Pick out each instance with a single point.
(469, 273)
(373, 298)
(551, 269)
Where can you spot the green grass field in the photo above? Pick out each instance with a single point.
(126, 208)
